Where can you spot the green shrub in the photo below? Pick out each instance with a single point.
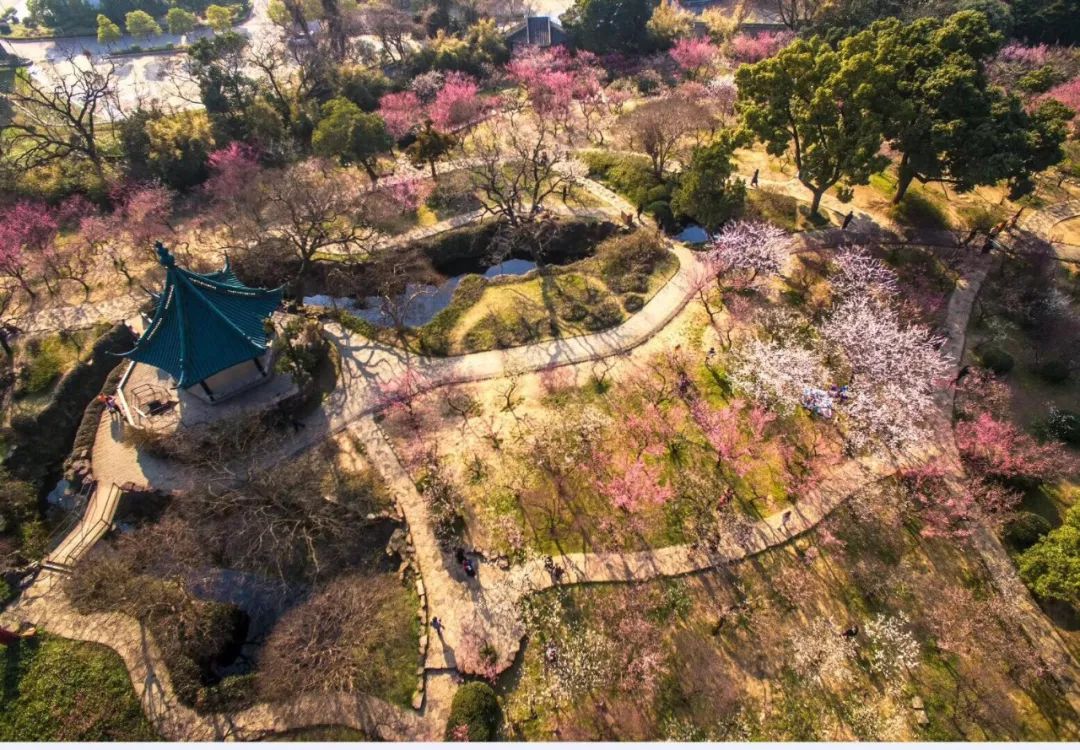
(1054, 371)
(1061, 425)
(633, 302)
(1025, 530)
(475, 708)
(636, 253)
(575, 312)
(603, 315)
(661, 211)
(1051, 567)
(995, 358)
(631, 282)
(48, 360)
(1039, 80)
(629, 175)
(234, 693)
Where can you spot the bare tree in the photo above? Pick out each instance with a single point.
(657, 128)
(56, 117)
(335, 640)
(311, 206)
(796, 14)
(394, 28)
(517, 164)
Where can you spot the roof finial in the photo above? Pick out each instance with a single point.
(165, 258)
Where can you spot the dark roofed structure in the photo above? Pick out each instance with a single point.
(537, 31)
(206, 325)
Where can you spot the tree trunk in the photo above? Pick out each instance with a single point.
(434, 175)
(816, 203)
(904, 178)
(370, 171)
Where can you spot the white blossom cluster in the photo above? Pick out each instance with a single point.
(819, 651)
(893, 649)
(750, 248)
(858, 273)
(895, 370)
(775, 374)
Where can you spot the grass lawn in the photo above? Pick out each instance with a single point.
(584, 296)
(58, 690)
(41, 362)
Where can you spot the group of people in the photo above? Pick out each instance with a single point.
(820, 402)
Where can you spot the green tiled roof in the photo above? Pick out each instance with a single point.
(204, 323)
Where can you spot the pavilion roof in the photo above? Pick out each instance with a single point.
(204, 323)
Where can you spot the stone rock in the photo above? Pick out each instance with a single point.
(921, 718)
(417, 700)
(420, 587)
(502, 562)
(917, 703)
(420, 671)
(423, 644)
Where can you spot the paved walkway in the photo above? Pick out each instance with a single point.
(488, 602)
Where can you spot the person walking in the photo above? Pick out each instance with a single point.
(437, 626)
(754, 179)
(847, 219)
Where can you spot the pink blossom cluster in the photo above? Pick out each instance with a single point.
(694, 55)
(456, 104)
(232, 170)
(409, 195)
(553, 79)
(634, 484)
(1034, 55)
(750, 48)
(1000, 450)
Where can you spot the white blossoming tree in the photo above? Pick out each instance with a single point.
(745, 251)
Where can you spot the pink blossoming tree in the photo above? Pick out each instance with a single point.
(694, 56)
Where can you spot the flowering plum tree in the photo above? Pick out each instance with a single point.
(401, 111)
(893, 649)
(632, 484)
(750, 48)
(858, 273)
(1001, 451)
(895, 370)
(457, 104)
(773, 373)
(694, 56)
(745, 250)
(26, 231)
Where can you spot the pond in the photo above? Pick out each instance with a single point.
(693, 235)
(426, 299)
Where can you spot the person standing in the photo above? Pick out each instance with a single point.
(754, 179)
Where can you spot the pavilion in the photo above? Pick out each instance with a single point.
(208, 332)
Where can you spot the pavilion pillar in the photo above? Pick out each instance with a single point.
(206, 389)
(259, 365)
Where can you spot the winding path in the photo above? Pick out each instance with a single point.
(490, 601)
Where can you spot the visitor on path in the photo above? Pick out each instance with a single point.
(470, 568)
(847, 219)
(710, 354)
(785, 518)
(437, 626)
(753, 180)
(110, 405)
